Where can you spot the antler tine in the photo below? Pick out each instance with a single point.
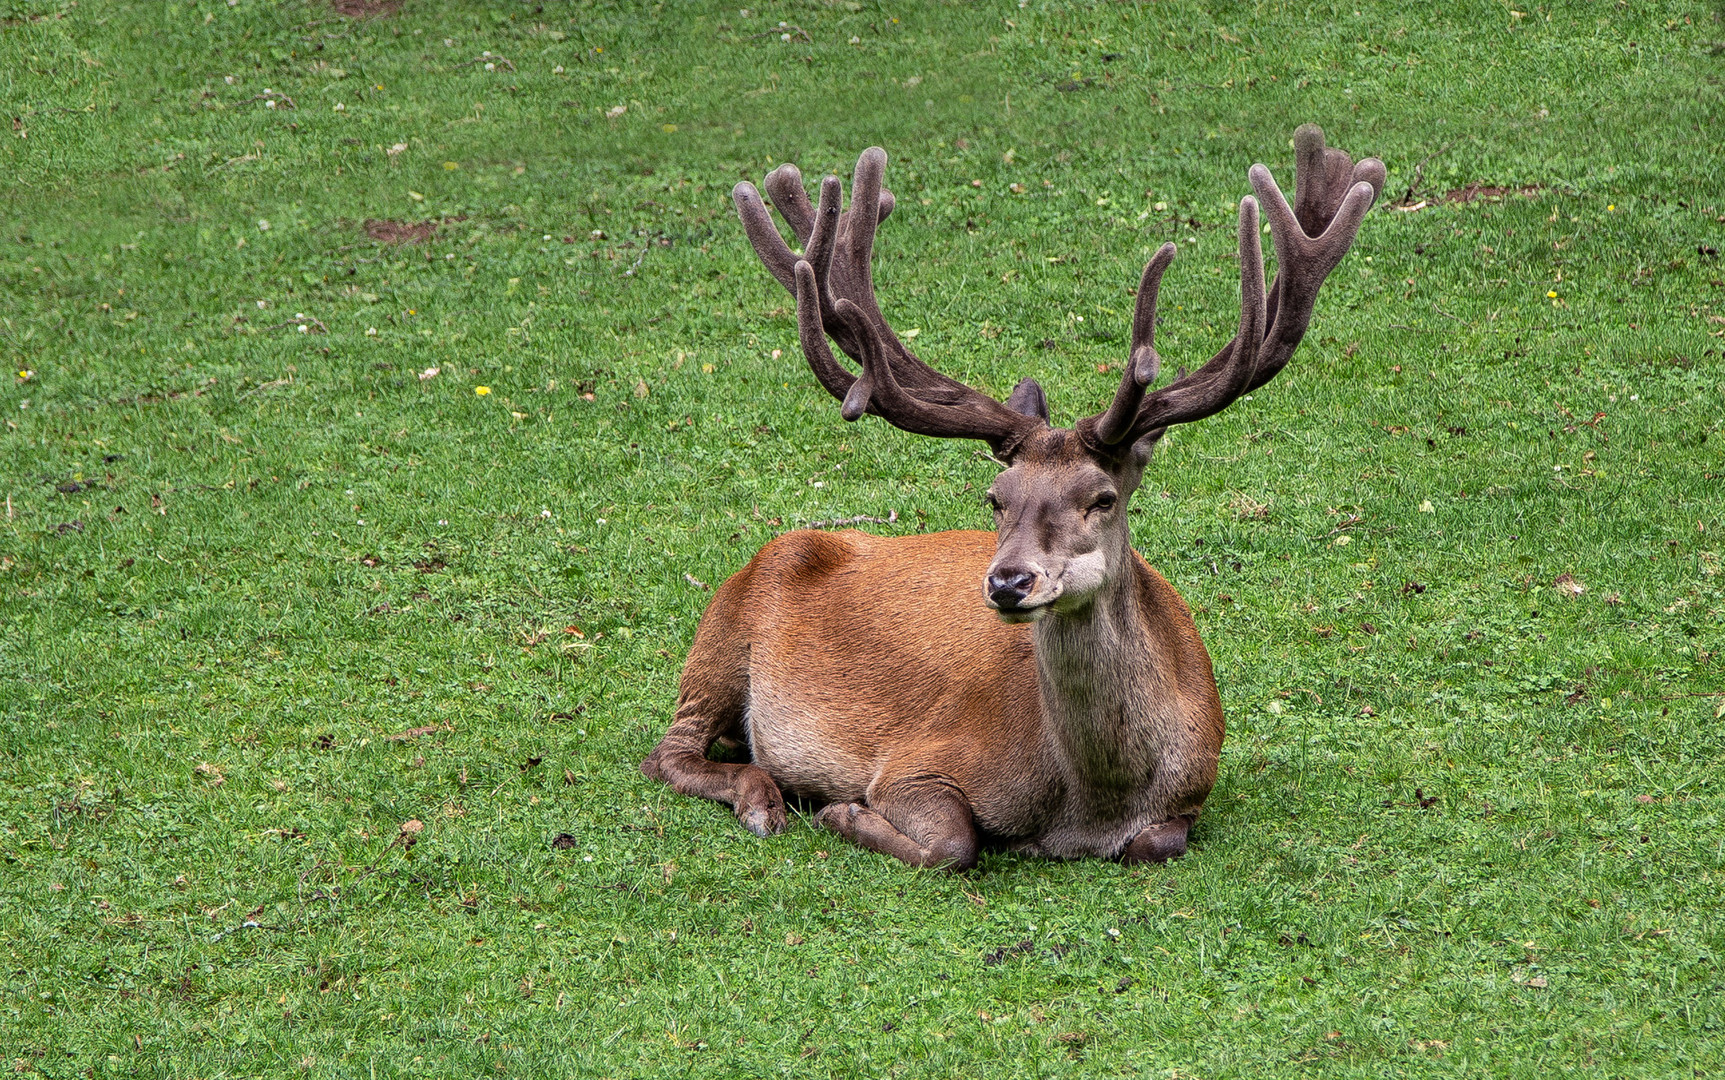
(1333, 194)
(1318, 170)
(1142, 362)
(833, 282)
(837, 380)
(1219, 382)
(1225, 377)
(785, 185)
(977, 417)
(818, 250)
(864, 219)
(1323, 176)
(844, 265)
(887, 202)
(856, 283)
(774, 253)
(1303, 260)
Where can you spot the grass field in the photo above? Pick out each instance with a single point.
(323, 678)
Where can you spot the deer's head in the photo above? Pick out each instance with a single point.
(1060, 502)
(1060, 525)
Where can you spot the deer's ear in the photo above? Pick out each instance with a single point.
(1028, 398)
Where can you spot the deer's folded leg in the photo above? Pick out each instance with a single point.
(710, 709)
(680, 760)
(924, 826)
(1160, 842)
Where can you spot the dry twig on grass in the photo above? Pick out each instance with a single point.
(860, 519)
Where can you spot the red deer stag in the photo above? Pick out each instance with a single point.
(866, 673)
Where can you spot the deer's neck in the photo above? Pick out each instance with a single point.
(1098, 674)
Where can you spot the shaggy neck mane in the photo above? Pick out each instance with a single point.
(1099, 671)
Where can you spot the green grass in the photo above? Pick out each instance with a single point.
(1467, 824)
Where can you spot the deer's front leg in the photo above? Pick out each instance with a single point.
(1159, 842)
(710, 710)
(923, 826)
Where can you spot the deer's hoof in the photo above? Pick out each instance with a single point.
(838, 817)
(1160, 842)
(763, 821)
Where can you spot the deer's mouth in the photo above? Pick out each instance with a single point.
(1019, 613)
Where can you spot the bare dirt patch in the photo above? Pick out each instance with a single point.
(366, 9)
(1489, 193)
(400, 232)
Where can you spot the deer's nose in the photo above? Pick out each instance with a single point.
(1007, 587)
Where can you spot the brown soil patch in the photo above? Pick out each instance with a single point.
(1488, 193)
(400, 232)
(365, 9)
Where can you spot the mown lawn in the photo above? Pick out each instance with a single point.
(344, 582)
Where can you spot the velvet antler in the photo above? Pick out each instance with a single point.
(833, 282)
(1333, 195)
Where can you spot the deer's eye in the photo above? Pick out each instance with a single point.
(993, 503)
(1103, 503)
